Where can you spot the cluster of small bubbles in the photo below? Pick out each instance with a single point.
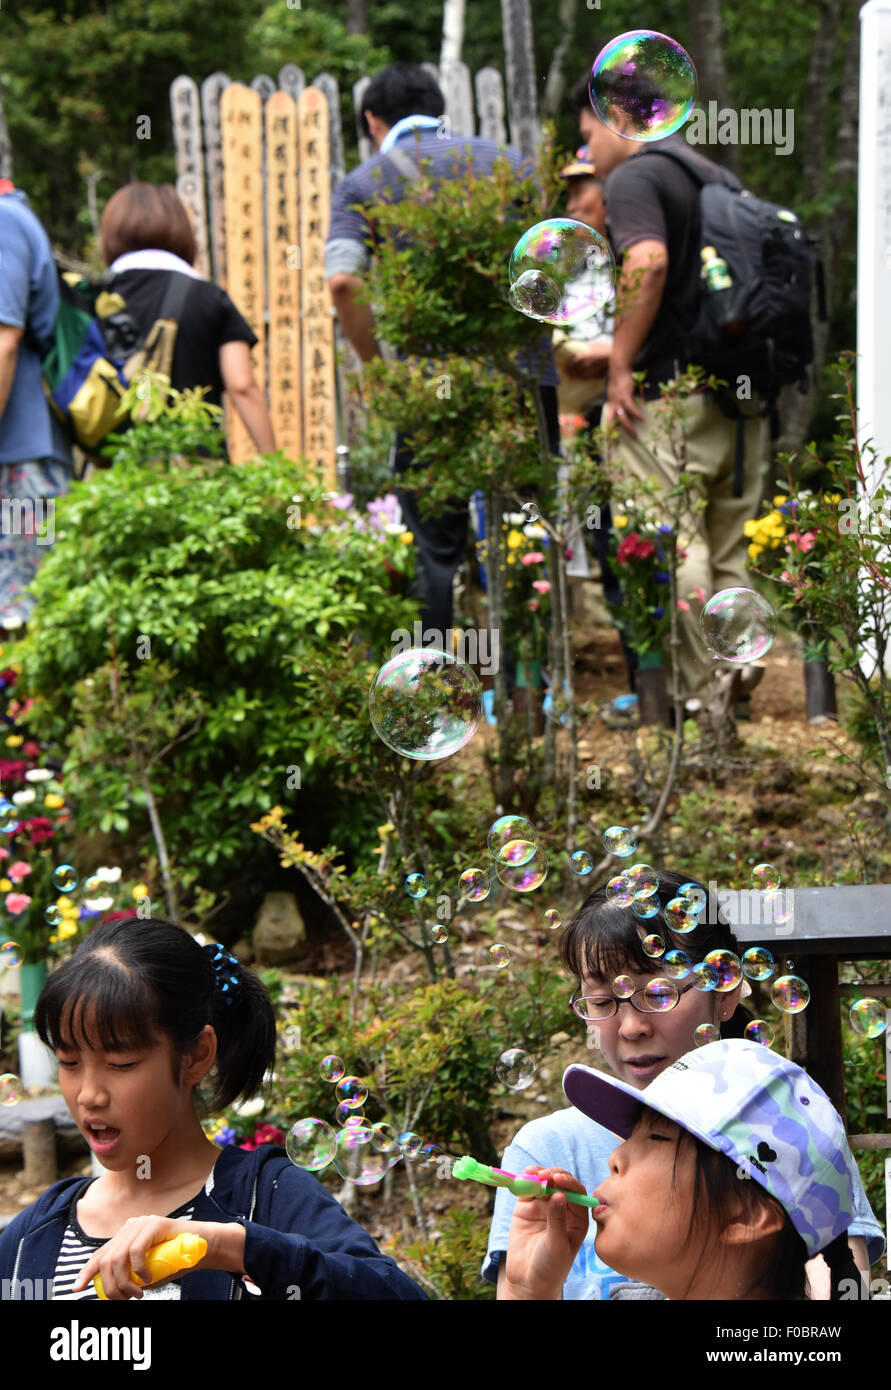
(868, 1018)
(790, 993)
(738, 625)
(416, 886)
(65, 878)
(660, 995)
(677, 965)
(9, 817)
(331, 1068)
(706, 1033)
(384, 1137)
(530, 512)
(765, 876)
(645, 880)
(53, 915)
(552, 918)
(357, 1160)
(645, 907)
(705, 977)
(512, 840)
(409, 1143)
(623, 986)
(620, 890)
(439, 933)
(653, 945)
(758, 1031)
(680, 917)
(524, 878)
(11, 1089)
(561, 272)
(425, 704)
(727, 967)
(694, 895)
(643, 85)
(351, 1090)
(776, 906)
(620, 841)
(474, 884)
(11, 954)
(515, 1069)
(347, 1113)
(428, 1156)
(582, 862)
(499, 955)
(758, 963)
(310, 1144)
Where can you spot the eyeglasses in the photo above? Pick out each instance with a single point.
(598, 1007)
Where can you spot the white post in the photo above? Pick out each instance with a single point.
(452, 34)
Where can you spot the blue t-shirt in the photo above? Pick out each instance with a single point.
(568, 1139)
(29, 298)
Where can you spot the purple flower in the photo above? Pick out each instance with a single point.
(663, 577)
(343, 502)
(665, 529)
(225, 1136)
(658, 612)
(384, 510)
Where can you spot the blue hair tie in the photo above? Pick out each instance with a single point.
(227, 971)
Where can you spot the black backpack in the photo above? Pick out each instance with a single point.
(772, 261)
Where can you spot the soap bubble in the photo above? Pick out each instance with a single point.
(384, 1137)
(643, 85)
(310, 1144)
(645, 880)
(347, 1114)
(705, 977)
(9, 817)
(758, 1031)
(790, 993)
(758, 963)
(425, 704)
(351, 1090)
(439, 933)
(706, 1033)
(11, 955)
(531, 512)
(676, 964)
(620, 841)
(645, 907)
(620, 890)
(680, 917)
(660, 995)
(524, 878)
(94, 886)
(777, 906)
(552, 918)
(11, 1089)
(765, 876)
(499, 955)
(653, 945)
(416, 886)
(868, 1018)
(562, 272)
(694, 895)
(512, 840)
(727, 967)
(623, 986)
(409, 1143)
(331, 1068)
(53, 915)
(516, 1069)
(429, 1156)
(64, 878)
(738, 625)
(582, 862)
(474, 884)
(357, 1160)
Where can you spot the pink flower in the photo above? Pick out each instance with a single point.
(4, 852)
(542, 585)
(533, 605)
(534, 557)
(17, 902)
(683, 605)
(18, 871)
(700, 594)
(804, 542)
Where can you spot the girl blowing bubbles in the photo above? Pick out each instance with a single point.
(734, 1171)
(138, 1017)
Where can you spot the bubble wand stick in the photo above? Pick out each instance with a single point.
(525, 1186)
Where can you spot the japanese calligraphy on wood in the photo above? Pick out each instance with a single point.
(284, 273)
(241, 117)
(319, 425)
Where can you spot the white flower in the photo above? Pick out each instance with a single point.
(98, 904)
(395, 528)
(108, 875)
(247, 1108)
(534, 532)
(23, 798)
(516, 518)
(39, 774)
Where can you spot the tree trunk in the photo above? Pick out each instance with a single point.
(452, 33)
(555, 84)
(5, 146)
(707, 45)
(357, 17)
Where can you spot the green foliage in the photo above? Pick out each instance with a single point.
(450, 1262)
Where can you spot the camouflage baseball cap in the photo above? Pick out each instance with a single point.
(762, 1111)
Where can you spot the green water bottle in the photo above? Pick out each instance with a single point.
(720, 289)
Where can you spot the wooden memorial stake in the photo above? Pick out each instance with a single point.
(366, 149)
(241, 115)
(212, 89)
(319, 431)
(291, 80)
(284, 257)
(264, 85)
(186, 112)
(456, 89)
(327, 85)
(5, 146)
(490, 105)
(516, 23)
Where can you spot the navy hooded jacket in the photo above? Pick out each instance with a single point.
(297, 1237)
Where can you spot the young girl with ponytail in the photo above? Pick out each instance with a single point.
(138, 1017)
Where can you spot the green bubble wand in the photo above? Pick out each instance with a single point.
(521, 1186)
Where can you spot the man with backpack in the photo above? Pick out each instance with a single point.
(35, 461)
(654, 224)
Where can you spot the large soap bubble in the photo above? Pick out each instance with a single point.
(643, 85)
(738, 625)
(561, 272)
(425, 704)
(310, 1144)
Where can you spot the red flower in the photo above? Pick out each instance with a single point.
(40, 828)
(117, 916)
(634, 547)
(268, 1134)
(12, 772)
(31, 749)
(8, 676)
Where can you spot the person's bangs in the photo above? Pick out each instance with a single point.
(615, 948)
(106, 1008)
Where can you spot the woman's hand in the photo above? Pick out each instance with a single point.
(126, 1251)
(545, 1236)
(621, 406)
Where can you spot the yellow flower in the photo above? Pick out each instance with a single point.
(5, 885)
(54, 801)
(68, 909)
(511, 559)
(67, 929)
(750, 528)
(140, 890)
(385, 830)
(780, 501)
(15, 740)
(514, 538)
(755, 551)
(406, 538)
(620, 521)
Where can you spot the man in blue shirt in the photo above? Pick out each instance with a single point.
(35, 462)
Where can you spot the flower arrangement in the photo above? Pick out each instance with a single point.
(788, 540)
(641, 560)
(527, 587)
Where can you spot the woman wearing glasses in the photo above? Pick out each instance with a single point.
(638, 1037)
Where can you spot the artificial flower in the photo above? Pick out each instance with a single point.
(18, 870)
(15, 741)
(108, 875)
(620, 522)
(5, 885)
(24, 797)
(140, 890)
(514, 539)
(542, 585)
(683, 605)
(39, 774)
(17, 902)
(406, 538)
(533, 557)
(39, 829)
(53, 801)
